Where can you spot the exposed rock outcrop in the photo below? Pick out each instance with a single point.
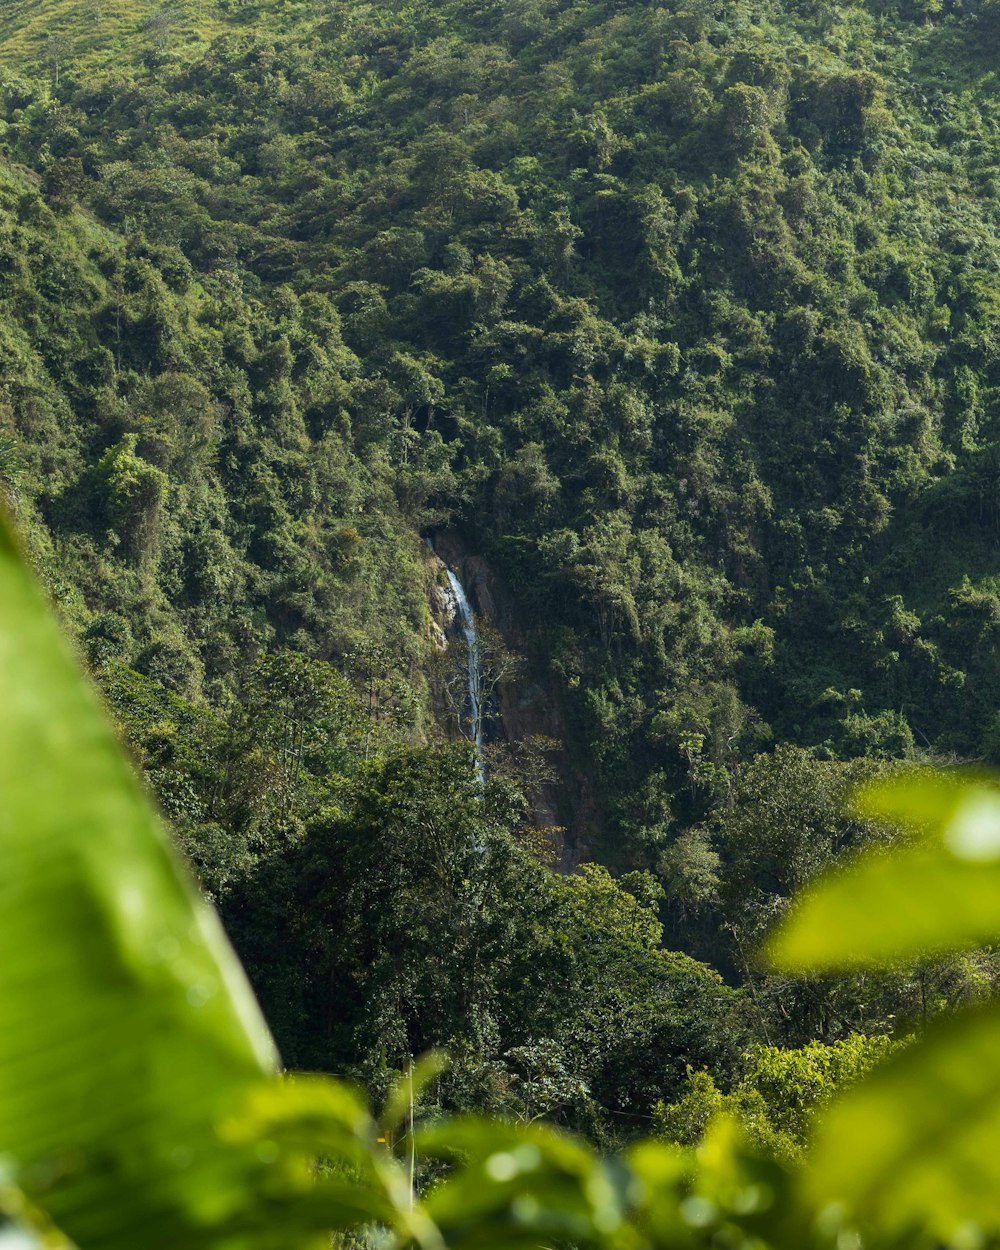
(442, 603)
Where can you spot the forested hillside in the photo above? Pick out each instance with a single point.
(684, 318)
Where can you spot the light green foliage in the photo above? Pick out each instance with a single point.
(131, 492)
(9, 467)
(622, 908)
(686, 1120)
(778, 1096)
(76, 33)
(795, 1084)
(689, 869)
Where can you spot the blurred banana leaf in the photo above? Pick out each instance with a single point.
(937, 893)
(723, 1194)
(910, 1155)
(131, 1044)
(522, 1185)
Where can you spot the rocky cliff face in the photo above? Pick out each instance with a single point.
(528, 704)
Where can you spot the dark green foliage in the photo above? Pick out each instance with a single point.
(408, 917)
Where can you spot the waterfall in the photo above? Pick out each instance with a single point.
(467, 624)
(473, 727)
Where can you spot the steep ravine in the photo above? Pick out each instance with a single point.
(523, 704)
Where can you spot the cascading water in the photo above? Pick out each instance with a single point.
(472, 724)
(467, 624)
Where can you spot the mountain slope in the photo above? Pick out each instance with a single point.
(686, 320)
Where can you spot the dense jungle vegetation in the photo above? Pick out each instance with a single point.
(141, 1101)
(685, 318)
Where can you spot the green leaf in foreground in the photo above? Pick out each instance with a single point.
(909, 1154)
(521, 1185)
(938, 892)
(912, 1151)
(131, 1043)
